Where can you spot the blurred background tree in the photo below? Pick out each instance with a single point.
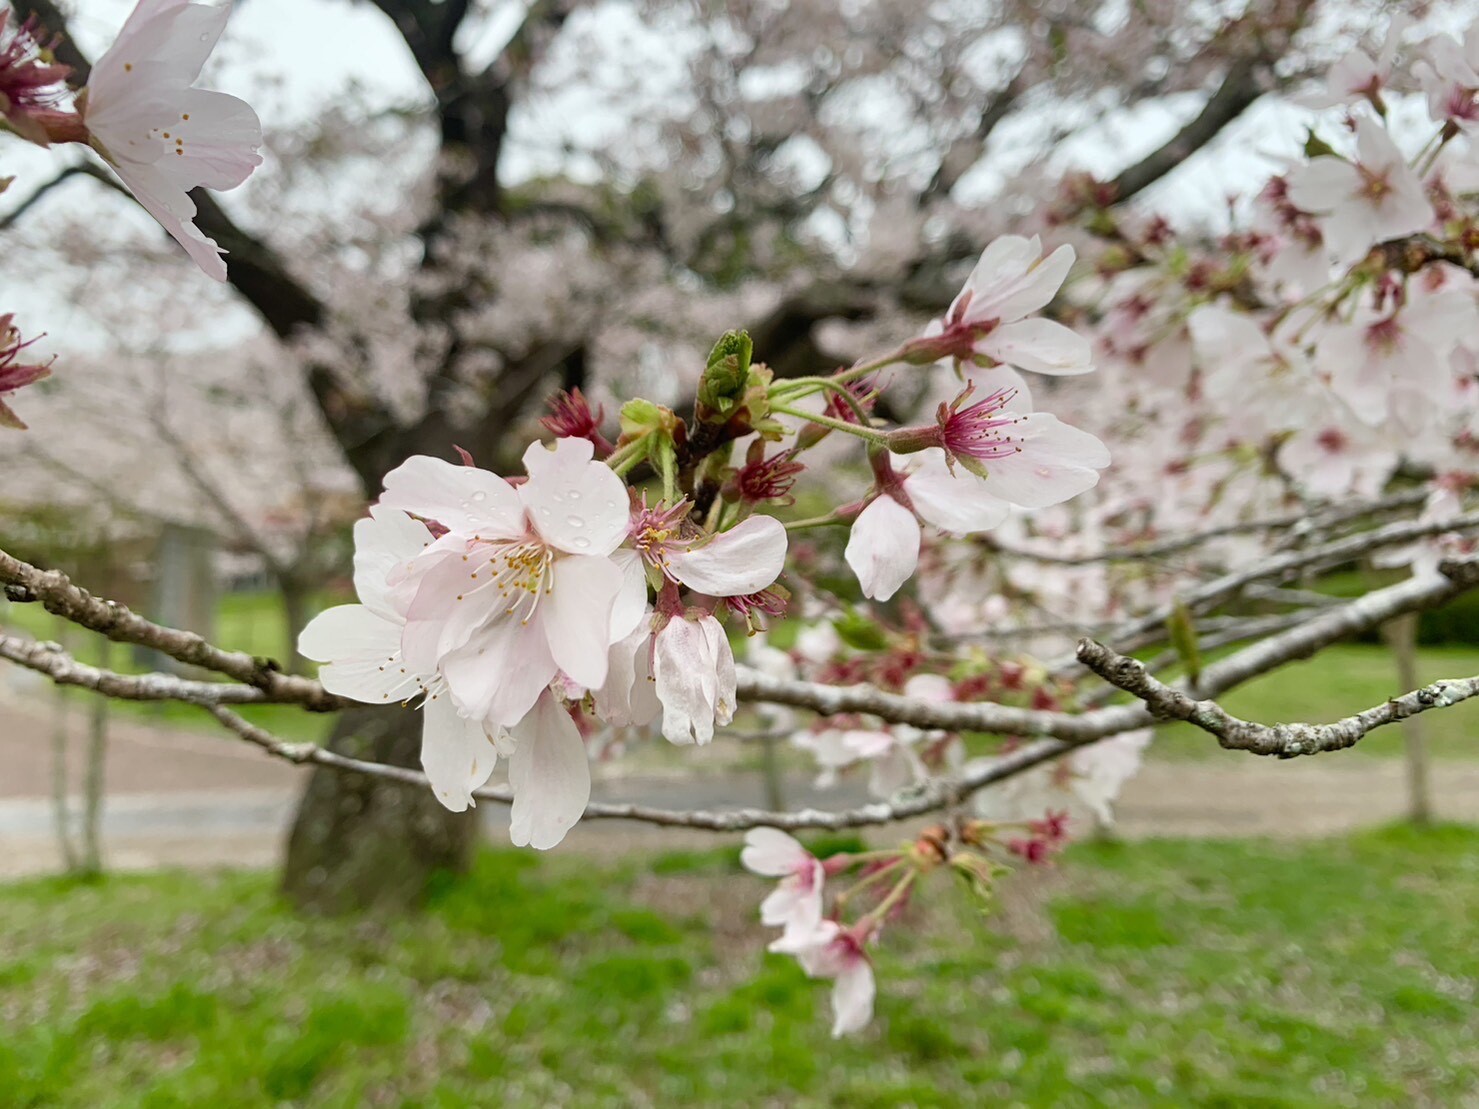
(581, 195)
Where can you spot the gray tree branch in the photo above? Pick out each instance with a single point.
(1284, 740)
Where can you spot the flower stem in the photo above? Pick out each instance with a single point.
(814, 522)
(798, 387)
(864, 433)
(864, 883)
(895, 895)
(625, 459)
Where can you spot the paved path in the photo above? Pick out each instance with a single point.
(181, 799)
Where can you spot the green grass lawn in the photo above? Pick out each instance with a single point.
(1341, 680)
(1166, 973)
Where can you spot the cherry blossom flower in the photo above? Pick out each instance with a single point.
(734, 563)
(1292, 247)
(1237, 356)
(796, 902)
(893, 764)
(163, 136)
(1394, 364)
(1031, 460)
(988, 321)
(1356, 76)
(1141, 328)
(1336, 461)
(15, 375)
(1375, 198)
(693, 668)
(831, 951)
(1449, 77)
(1084, 783)
(31, 85)
(836, 748)
(360, 646)
(521, 586)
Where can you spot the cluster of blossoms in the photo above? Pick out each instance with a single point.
(1336, 335)
(870, 889)
(141, 112)
(503, 606)
(1011, 455)
(522, 613)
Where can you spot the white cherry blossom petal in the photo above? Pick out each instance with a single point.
(577, 622)
(631, 599)
(165, 42)
(453, 600)
(361, 653)
(853, 992)
(384, 541)
(576, 504)
(1057, 462)
(1042, 346)
(628, 698)
(550, 774)
(500, 672)
(883, 547)
(772, 853)
(456, 753)
(464, 499)
(694, 673)
(745, 559)
(956, 503)
(1036, 287)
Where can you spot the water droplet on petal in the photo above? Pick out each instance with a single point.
(575, 521)
(544, 510)
(575, 494)
(582, 542)
(480, 496)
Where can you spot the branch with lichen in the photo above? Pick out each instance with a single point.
(1283, 740)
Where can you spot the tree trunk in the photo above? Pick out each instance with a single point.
(61, 808)
(360, 842)
(1401, 636)
(92, 782)
(295, 604)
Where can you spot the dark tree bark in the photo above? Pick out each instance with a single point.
(360, 842)
(296, 598)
